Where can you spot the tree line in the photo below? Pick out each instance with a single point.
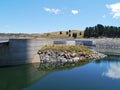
(102, 31)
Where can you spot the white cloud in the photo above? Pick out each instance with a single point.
(52, 10)
(115, 9)
(74, 12)
(113, 71)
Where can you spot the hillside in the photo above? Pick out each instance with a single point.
(61, 34)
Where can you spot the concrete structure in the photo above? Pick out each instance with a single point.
(22, 51)
(64, 42)
(4, 42)
(107, 46)
(84, 42)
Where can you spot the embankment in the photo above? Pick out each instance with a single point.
(64, 54)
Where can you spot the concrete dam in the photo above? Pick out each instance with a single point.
(23, 51)
(107, 46)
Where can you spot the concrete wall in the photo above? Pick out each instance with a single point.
(108, 46)
(64, 42)
(22, 51)
(84, 42)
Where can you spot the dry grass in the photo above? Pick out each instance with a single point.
(44, 35)
(58, 35)
(71, 48)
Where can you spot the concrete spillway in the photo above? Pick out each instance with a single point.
(21, 51)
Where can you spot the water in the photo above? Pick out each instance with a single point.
(96, 75)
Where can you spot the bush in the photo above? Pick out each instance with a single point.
(74, 35)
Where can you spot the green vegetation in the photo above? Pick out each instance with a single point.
(102, 31)
(72, 48)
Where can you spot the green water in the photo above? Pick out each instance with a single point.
(96, 75)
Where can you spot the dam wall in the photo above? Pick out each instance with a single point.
(22, 51)
(108, 46)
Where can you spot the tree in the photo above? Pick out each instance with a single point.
(67, 33)
(60, 32)
(86, 32)
(102, 31)
(74, 35)
(80, 33)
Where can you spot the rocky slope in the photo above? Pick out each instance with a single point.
(63, 55)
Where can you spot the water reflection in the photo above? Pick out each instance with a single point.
(19, 77)
(61, 66)
(109, 59)
(113, 71)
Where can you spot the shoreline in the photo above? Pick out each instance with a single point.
(53, 56)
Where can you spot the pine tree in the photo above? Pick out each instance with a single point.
(60, 32)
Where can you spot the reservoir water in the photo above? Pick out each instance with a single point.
(94, 75)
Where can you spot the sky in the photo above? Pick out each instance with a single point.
(42, 16)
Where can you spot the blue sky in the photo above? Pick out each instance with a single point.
(41, 16)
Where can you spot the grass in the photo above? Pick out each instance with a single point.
(58, 35)
(71, 48)
(45, 35)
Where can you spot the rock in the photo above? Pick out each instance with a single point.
(64, 60)
(73, 54)
(39, 52)
(67, 56)
(76, 59)
(60, 53)
(50, 56)
(70, 60)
